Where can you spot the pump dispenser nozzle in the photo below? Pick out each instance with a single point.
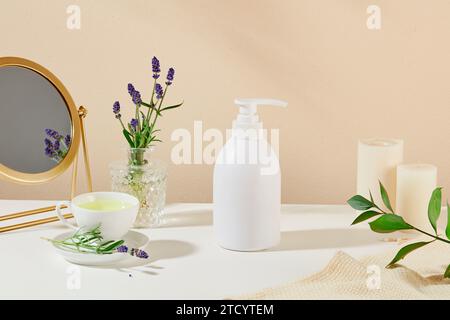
(247, 118)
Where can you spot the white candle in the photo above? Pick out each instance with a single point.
(415, 184)
(377, 161)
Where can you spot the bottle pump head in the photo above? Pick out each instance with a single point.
(247, 118)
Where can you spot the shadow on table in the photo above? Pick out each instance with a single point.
(158, 250)
(188, 219)
(326, 238)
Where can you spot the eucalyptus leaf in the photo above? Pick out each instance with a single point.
(447, 272)
(360, 203)
(389, 223)
(365, 216)
(434, 207)
(406, 250)
(385, 197)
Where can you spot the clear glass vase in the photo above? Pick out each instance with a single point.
(145, 178)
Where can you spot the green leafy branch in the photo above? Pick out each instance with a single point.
(387, 222)
(90, 241)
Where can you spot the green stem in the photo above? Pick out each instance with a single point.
(159, 107)
(150, 111)
(123, 126)
(430, 235)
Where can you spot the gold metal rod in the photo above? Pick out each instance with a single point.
(82, 111)
(28, 213)
(33, 223)
(73, 190)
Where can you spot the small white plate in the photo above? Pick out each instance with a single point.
(132, 239)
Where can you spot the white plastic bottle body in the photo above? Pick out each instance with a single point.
(246, 197)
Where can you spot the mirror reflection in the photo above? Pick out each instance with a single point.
(35, 123)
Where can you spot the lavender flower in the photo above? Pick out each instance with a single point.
(130, 89)
(122, 249)
(53, 134)
(155, 68)
(56, 146)
(136, 97)
(67, 140)
(138, 253)
(170, 75)
(48, 143)
(134, 123)
(49, 152)
(116, 107)
(159, 91)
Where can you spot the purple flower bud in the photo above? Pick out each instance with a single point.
(130, 89)
(49, 152)
(116, 107)
(123, 249)
(48, 143)
(142, 254)
(156, 68)
(67, 140)
(134, 123)
(136, 97)
(56, 145)
(53, 134)
(170, 75)
(159, 91)
(138, 253)
(118, 116)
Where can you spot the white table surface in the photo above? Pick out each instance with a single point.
(185, 261)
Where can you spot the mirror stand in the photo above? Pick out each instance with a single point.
(82, 113)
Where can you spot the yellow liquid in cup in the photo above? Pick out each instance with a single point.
(105, 205)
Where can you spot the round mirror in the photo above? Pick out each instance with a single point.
(39, 123)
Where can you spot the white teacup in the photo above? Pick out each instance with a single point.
(91, 210)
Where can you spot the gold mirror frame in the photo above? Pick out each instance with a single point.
(36, 178)
(78, 133)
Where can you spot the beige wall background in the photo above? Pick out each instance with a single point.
(342, 81)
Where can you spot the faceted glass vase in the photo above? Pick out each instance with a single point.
(145, 178)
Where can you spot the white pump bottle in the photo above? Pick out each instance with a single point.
(247, 184)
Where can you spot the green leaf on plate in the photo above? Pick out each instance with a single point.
(110, 246)
(360, 203)
(434, 207)
(385, 197)
(365, 215)
(406, 250)
(389, 223)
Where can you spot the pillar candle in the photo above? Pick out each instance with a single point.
(415, 184)
(377, 161)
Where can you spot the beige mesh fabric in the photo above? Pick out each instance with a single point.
(419, 277)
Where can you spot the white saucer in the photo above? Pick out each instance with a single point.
(132, 239)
